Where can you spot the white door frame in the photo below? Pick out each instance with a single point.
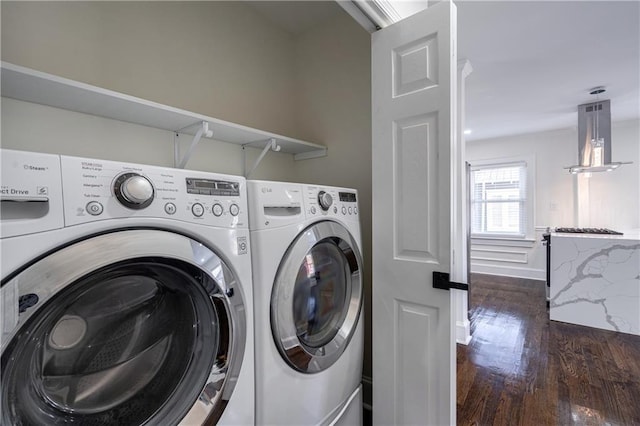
(459, 237)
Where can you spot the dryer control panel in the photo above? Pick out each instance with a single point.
(330, 201)
(99, 189)
(275, 204)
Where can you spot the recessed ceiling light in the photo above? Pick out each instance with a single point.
(467, 132)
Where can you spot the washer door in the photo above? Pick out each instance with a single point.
(132, 327)
(317, 297)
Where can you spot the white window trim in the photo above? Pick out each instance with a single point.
(529, 160)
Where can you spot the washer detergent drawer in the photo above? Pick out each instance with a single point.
(31, 193)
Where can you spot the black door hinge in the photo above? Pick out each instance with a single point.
(441, 280)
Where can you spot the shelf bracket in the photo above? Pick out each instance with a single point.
(272, 144)
(202, 131)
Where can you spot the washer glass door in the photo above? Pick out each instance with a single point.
(317, 297)
(133, 327)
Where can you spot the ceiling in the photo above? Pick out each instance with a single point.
(533, 61)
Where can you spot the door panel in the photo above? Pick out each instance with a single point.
(413, 99)
(415, 188)
(417, 385)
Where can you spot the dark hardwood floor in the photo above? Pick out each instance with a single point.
(520, 368)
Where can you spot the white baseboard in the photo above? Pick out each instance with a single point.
(506, 271)
(463, 332)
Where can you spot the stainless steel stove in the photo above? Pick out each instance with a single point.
(587, 231)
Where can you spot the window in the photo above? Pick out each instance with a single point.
(499, 199)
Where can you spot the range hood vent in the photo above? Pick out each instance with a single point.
(594, 137)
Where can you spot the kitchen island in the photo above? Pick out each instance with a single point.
(595, 280)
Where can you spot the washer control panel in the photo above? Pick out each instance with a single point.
(330, 201)
(98, 189)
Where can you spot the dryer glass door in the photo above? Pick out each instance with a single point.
(135, 337)
(317, 297)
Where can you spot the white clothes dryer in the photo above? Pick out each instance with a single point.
(308, 297)
(126, 294)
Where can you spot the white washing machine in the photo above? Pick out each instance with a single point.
(308, 295)
(126, 294)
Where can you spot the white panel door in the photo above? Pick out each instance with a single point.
(413, 97)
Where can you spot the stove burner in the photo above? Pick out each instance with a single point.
(587, 231)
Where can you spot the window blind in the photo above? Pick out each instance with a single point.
(498, 199)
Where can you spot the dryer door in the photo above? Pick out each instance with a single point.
(317, 297)
(131, 327)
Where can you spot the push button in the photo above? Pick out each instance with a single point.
(197, 210)
(170, 208)
(94, 208)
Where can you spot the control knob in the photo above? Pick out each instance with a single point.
(133, 190)
(325, 200)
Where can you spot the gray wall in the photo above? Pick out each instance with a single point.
(221, 59)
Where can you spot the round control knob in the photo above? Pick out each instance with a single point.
(133, 190)
(234, 209)
(217, 210)
(325, 200)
